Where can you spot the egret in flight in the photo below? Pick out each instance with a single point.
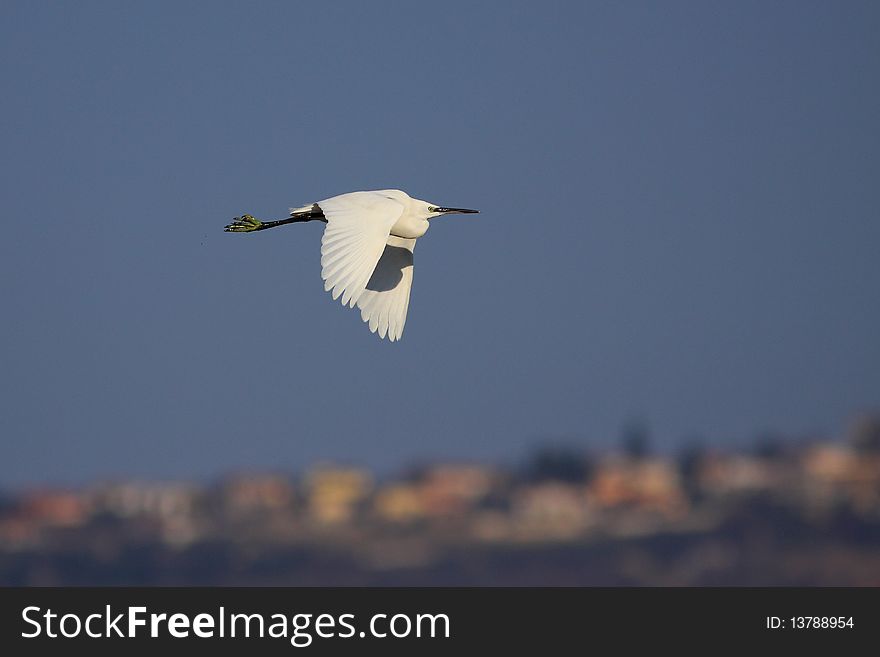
(366, 250)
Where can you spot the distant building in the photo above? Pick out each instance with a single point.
(169, 507)
(551, 511)
(448, 490)
(721, 475)
(161, 500)
(650, 484)
(399, 503)
(254, 493)
(55, 508)
(835, 473)
(22, 524)
(334, 493)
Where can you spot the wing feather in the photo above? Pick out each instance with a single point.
(358, 227)
(385, 300)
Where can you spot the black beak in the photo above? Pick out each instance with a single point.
(456, 211)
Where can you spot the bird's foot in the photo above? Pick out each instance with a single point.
(244, 224)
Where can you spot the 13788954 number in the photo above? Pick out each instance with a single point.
(821, 622)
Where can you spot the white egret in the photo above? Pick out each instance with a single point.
(366, 250)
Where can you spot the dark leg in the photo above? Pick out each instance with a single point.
(249, 224)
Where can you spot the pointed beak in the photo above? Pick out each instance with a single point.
(456, 211)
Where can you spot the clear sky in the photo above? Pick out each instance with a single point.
(679, 222)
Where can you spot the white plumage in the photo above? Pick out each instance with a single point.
(366, 250)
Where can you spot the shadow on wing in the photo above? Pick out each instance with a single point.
(389, 269)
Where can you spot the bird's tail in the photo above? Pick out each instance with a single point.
(308, 212)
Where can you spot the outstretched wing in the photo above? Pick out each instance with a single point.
(358, 226)
(385, 299)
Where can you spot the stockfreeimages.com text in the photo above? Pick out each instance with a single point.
(300, 629)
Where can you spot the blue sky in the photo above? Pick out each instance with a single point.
(679, 222)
